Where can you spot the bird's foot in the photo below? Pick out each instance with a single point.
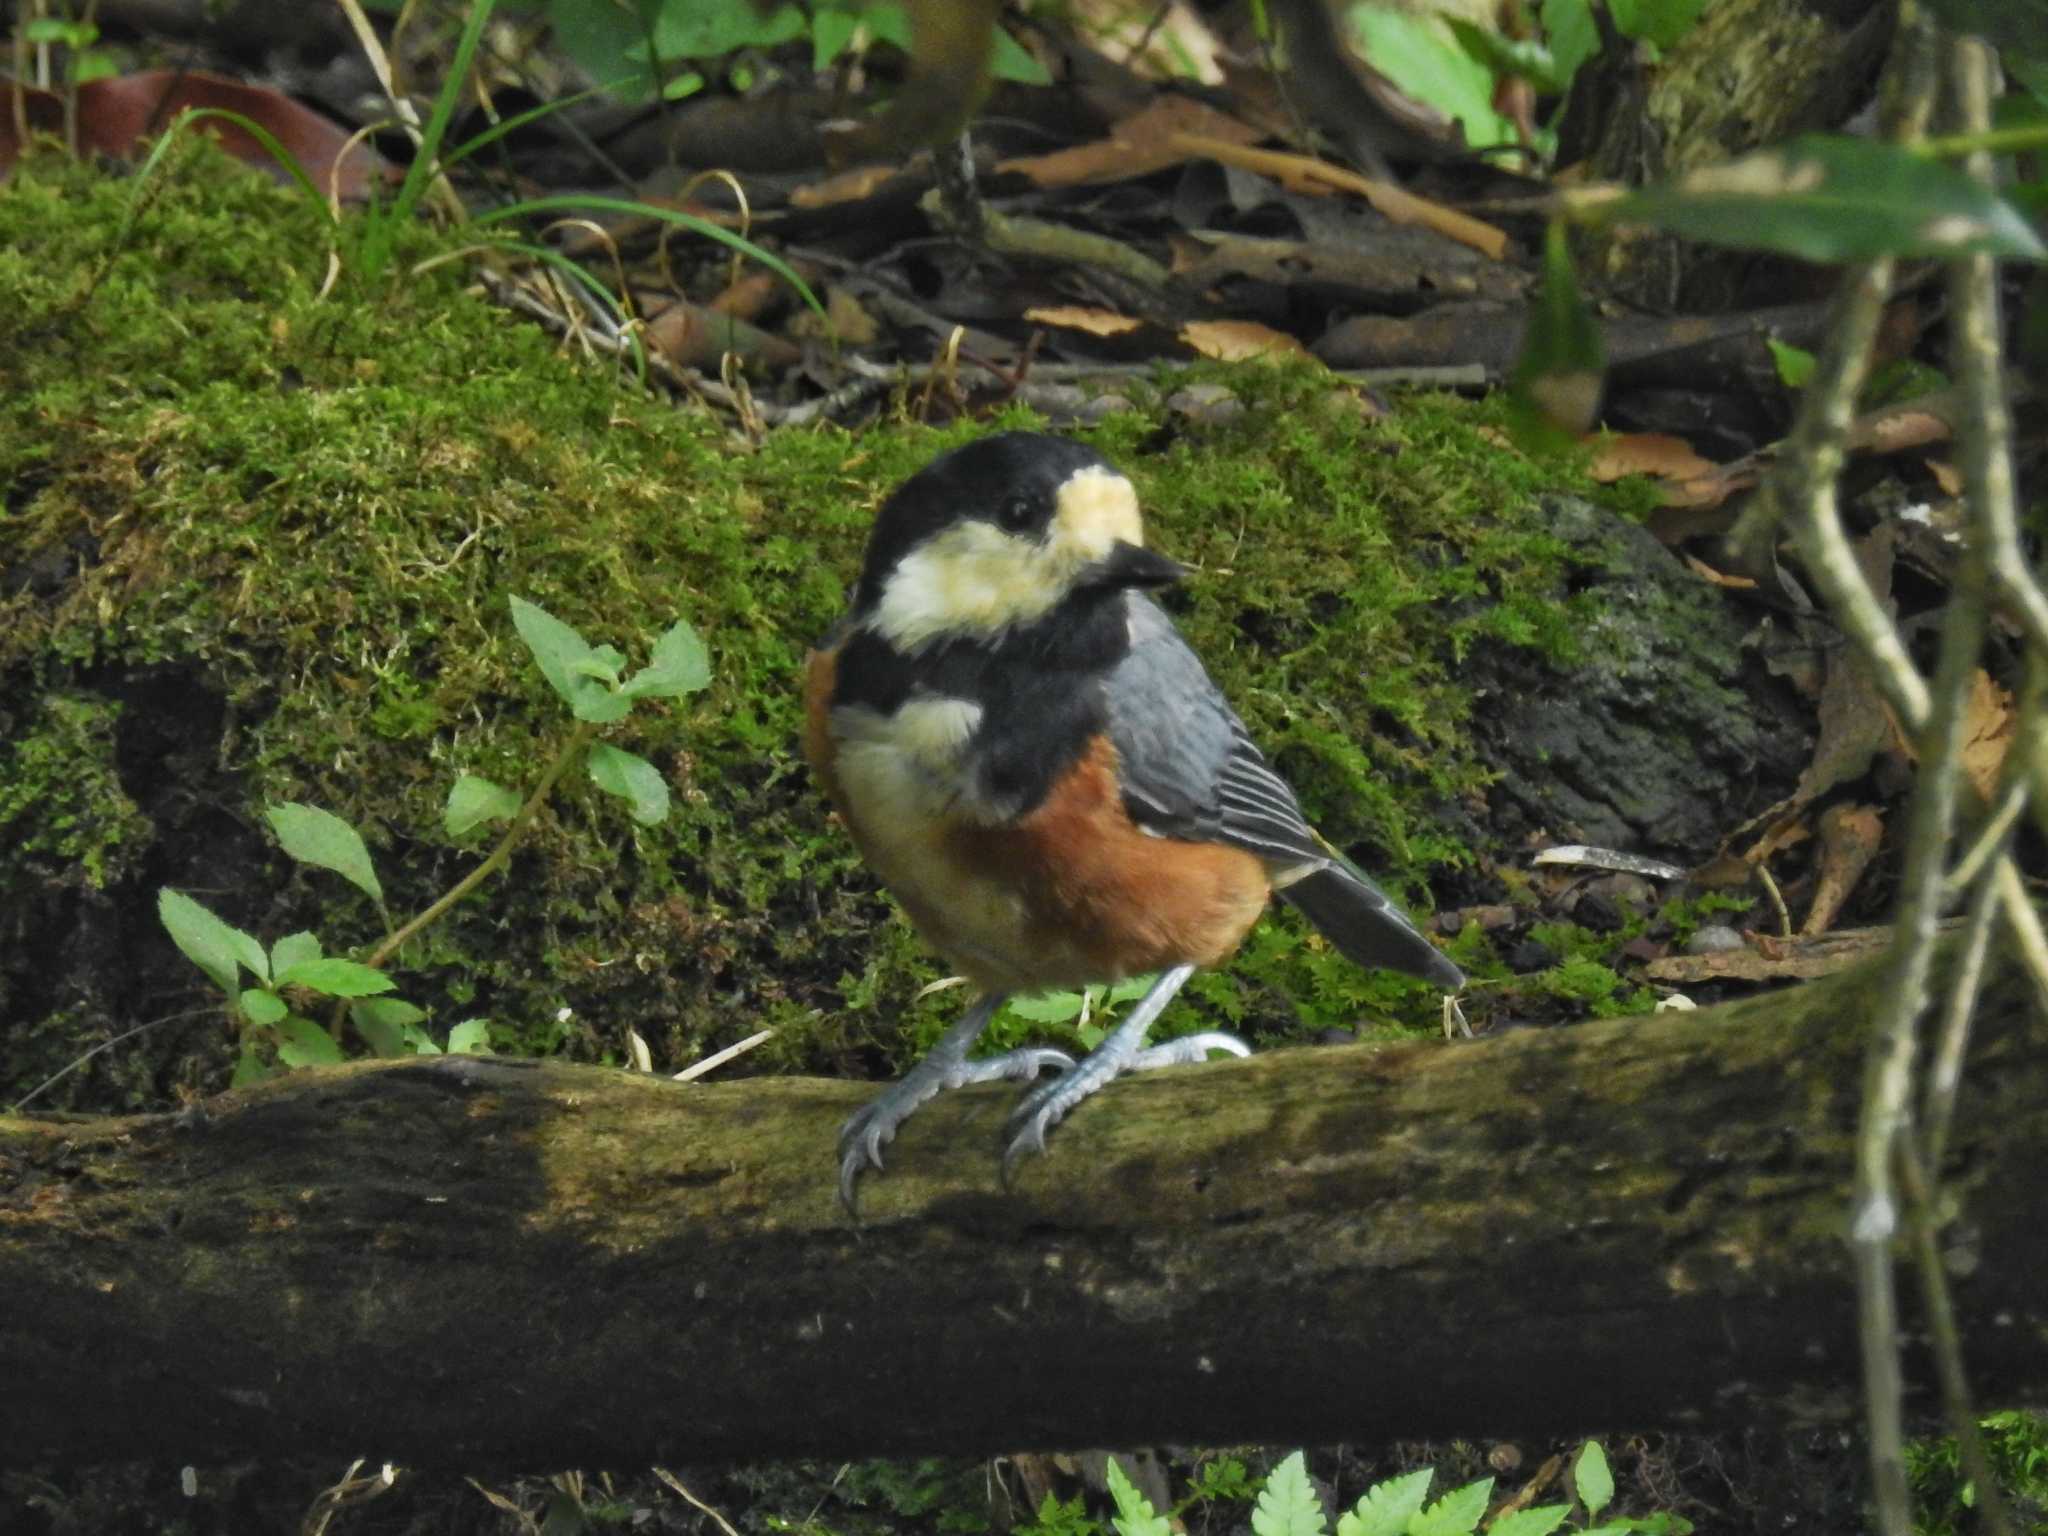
(1124, 1050)
(874, 1125)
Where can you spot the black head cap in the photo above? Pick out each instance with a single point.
(1009, 479)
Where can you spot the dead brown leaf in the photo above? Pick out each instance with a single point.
(117, 113)
(1850, 836)
(1076, 317)
(1137, 146)
(1318, 178)
(1236, 341)
(1706, 572)
(850, 186)
(1988, 724)
(1946, 475)
(1659, 454)
(1899, 427)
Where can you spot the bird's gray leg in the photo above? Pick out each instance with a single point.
(1122, 1050)
(945, 1066)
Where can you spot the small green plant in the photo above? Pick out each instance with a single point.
(76, 35)
(274, 1031)
(1083, 1008)
(1288, 1506)
(1060, 1517)
(1945, 1500)
(1222, 1481)
(367, 244)
(676, 43)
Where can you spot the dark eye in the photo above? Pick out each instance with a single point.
(1018, 513)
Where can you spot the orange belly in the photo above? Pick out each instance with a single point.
(1070, 894)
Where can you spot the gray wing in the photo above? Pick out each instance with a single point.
(1190, 771)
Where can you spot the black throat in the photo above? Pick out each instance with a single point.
(1039, 687)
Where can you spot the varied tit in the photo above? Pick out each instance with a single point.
(1040, 770)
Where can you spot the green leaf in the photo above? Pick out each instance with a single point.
(1387, 1507)
(472, 1037)
(1423, 54)
(1129, 990)
(472, 801)
(293, 949)
(216, 947)
(302, 1043)
(1662, 22)
(565, 660)
(1795, 364)
(2031, 74)
(1046, 1007)
(390, 1026)
(832, 29)
(1288, 1505)
(1457, 1513)
(1568, 25)
(1556, 384)
(250, 1068)
(1592, 1480)
(599, 37)
(1134, 1515)
(262, 1007)
(633, 779)
(1828, 198)
(314, 836)
(337, 978)
(1223, 1478)
(1011, 60)
(65, 34)
(1540, 1521)
(704, 29)
(555, 646)
(1502, 55)
(678, 666)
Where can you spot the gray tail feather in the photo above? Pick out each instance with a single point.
(1366, 926)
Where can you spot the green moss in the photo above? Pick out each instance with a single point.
(63, 811)
(311, 512)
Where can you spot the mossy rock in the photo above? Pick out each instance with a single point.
(257, 546)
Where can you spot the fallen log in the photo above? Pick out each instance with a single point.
(483, 1263)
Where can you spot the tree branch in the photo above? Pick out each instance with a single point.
(488, 1263)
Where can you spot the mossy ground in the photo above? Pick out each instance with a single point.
(258, 545)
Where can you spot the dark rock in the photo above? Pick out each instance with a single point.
(1637, 743)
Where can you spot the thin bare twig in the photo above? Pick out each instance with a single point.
(1938, 1104)
(1923, 1226)
(1802, 493)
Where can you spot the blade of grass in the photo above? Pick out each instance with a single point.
(286, 160)
(570, 203)
(423, 165)
(557, 262)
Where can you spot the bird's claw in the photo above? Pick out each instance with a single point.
(874, 1125)
(1049, 1103)
(1186, 1050)
(861, 1141)
(1026, 1129)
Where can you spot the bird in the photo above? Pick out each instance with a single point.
(1038, 767)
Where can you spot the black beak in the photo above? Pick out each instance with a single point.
(1132, 565)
